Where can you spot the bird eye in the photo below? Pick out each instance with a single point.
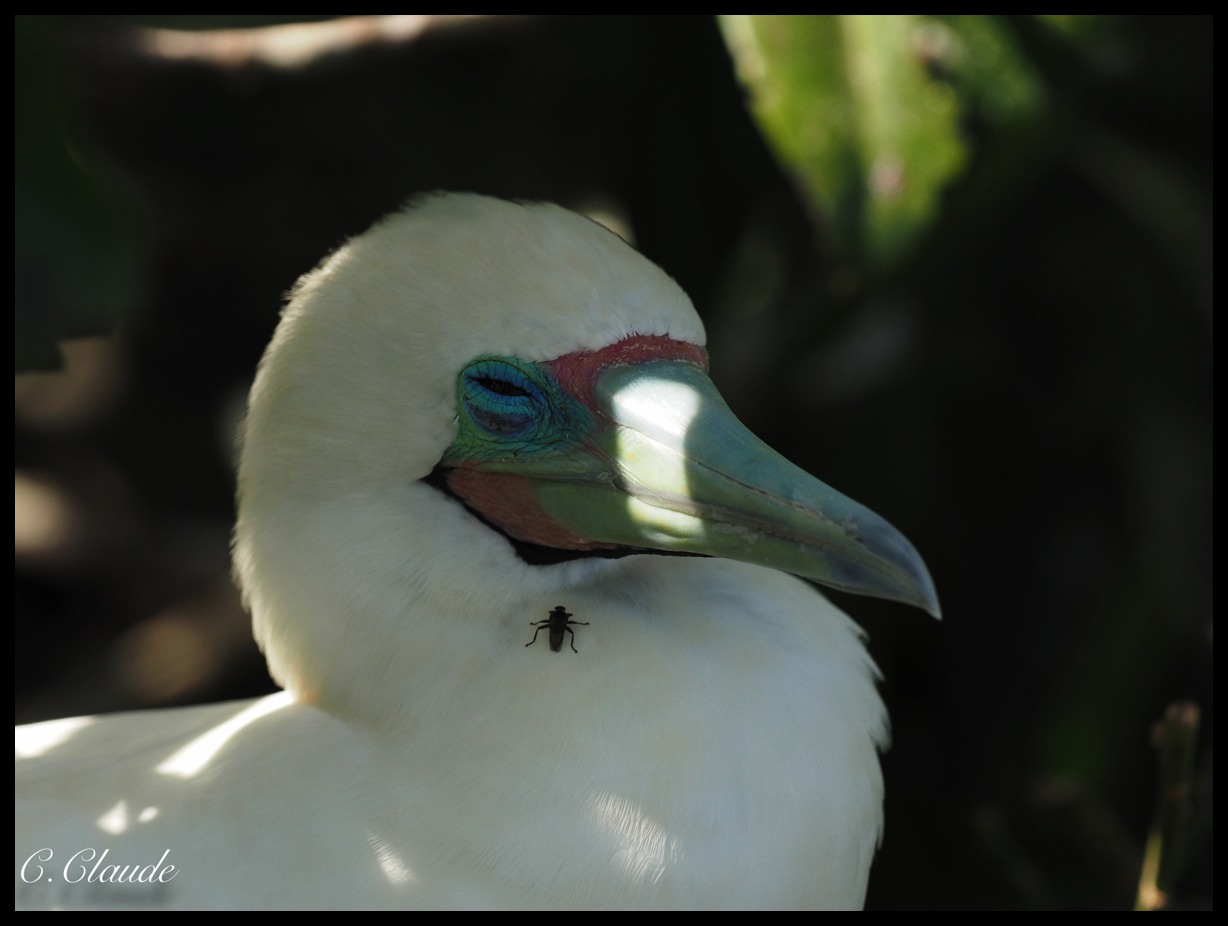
(500, 386)
(501, 397)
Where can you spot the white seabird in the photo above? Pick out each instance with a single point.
(473, 414)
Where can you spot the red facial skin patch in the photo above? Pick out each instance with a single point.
(507, 500)
(577, 372)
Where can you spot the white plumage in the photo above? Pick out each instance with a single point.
(713, 742)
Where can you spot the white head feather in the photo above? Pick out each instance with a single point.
(355, 402)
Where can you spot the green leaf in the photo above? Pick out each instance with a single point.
(866, 110)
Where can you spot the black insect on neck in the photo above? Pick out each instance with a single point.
(558, 622)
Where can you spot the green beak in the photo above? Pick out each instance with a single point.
(665, 465)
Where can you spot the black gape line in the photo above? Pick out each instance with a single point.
(558, 621)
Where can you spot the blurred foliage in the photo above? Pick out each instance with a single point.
(959, 267)
(851, 104)
(876, 115)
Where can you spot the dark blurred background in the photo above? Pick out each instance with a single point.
(959, 268)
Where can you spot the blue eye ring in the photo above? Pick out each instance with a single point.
(509, 409)
(501, 398)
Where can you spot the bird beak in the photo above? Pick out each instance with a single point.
(667, 466)
(691, 478)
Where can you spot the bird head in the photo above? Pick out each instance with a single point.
(479, 402)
